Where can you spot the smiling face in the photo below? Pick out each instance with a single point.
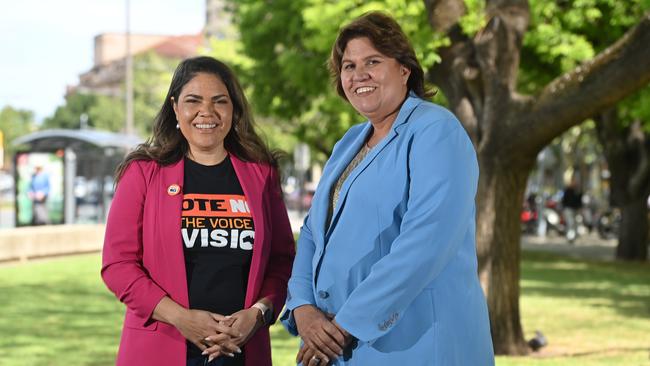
(374, 84)
(204, 112)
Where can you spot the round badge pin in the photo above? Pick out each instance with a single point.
(173, 190)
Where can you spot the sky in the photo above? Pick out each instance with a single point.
(46, 44)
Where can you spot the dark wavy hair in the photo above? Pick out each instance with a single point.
(388, 38)
(167, 145)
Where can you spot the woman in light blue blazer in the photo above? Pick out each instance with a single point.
(386, 269)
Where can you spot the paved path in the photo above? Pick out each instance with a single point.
(6, 217)
(589, 246)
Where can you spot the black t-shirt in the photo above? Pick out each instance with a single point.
(217, 233)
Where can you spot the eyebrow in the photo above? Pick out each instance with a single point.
(365, 58)
(218, 96)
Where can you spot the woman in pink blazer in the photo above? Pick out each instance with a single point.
(198, 244)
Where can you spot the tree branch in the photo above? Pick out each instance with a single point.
(444, 14)
(499, 43)
(615, 73)
(485, 67)
(455, 75)
(458, 81)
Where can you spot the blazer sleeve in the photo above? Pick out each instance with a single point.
(122, 265)
(283, 248)
(300, 284)
(440, 210)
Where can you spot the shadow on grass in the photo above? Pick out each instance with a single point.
(603, 284)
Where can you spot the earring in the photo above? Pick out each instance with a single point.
(178, 127)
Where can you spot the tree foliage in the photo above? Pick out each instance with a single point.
(289, 43)
(564, 34)
(14, 123)
(151, 78)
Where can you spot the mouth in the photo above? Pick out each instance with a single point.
(205, 126)
(364, 90)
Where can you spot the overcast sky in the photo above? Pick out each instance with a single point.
(45, 45)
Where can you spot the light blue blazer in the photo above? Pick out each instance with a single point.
(397, 265)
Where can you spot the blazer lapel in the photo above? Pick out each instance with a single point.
(408, 107)
(253, 187)
(169, 227)
(329, 180)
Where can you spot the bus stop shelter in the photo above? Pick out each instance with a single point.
(80, 165)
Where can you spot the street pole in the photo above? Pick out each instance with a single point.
(129, 74)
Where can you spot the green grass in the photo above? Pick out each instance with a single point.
(57, 312)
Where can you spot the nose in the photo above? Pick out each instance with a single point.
(360, 74)
(207, 109)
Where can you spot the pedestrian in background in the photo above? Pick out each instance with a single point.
(198, 243)
(571, 205)
(39, 190)
(386, 269)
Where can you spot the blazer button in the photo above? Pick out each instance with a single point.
(323, 294)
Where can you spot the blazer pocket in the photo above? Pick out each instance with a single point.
(135, 322)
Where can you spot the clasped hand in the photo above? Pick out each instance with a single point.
(218, 335)
(323, 338)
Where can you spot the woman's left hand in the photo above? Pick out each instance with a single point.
(309, 356)
(247, 322)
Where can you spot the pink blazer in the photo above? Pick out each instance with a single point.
(143, 257)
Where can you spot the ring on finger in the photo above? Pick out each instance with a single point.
(206, 342)
(314, 360)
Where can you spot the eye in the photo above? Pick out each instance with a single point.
(348, 67)
(373, 61)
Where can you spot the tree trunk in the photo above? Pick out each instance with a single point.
(633, 235)
(478, 75)
(627, 150)
(501, 189)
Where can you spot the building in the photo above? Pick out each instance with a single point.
(109, 68)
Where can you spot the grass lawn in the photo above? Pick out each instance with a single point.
(58, 312)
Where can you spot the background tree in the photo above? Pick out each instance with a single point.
(69, 114)
(473, 52)
(14, 123)
(624, 132)
(287, 44)
(151, 77)
(479, 76)
(619, 129)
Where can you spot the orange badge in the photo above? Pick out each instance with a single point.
(173, 190)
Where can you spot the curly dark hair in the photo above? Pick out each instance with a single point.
(388, 38)
(167, 145)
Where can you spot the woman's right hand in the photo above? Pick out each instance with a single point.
(197, 325)
(318, 332)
